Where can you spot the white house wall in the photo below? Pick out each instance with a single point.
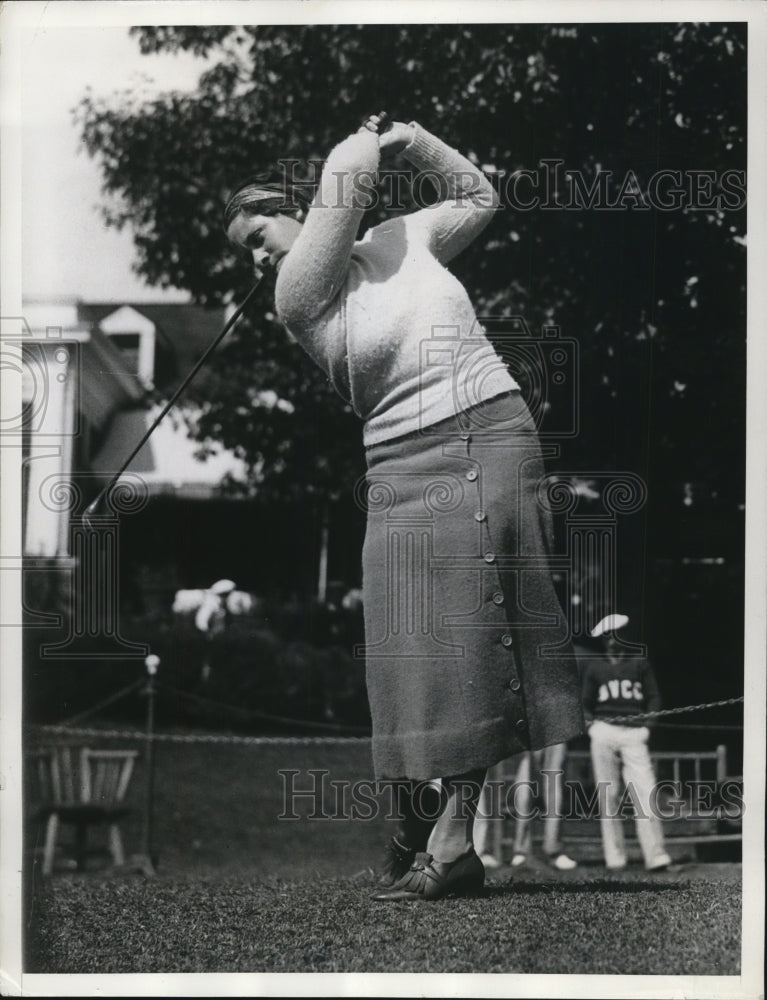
(53, 423)
(69, 375)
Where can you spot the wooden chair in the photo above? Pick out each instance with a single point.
(81, 787)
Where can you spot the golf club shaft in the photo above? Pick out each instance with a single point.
(227, 327)
(384, 125)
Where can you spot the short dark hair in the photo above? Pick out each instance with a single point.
(257, 188)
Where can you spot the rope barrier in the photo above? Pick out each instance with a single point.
(254, 714)
(698, 725)
(66, 728)
(674, 711)
(136, 734)
(103, 704)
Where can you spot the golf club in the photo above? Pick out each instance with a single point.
(92, 509)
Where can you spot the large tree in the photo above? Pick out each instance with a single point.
(629, 283)
(652, 293)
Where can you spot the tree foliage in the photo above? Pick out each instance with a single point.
(654, 298)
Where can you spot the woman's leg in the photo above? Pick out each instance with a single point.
(449, 865)
(418, 806)
(452, 835)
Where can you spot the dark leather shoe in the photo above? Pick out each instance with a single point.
(428, 879)
(398, 858)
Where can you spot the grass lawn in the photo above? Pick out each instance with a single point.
(635, 925)
(239, 890)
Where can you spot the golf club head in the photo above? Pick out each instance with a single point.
(92, 510)
(384, 122)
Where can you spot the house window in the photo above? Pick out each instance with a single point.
(128, 343)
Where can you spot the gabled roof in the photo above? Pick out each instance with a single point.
(53, 323)
(187, 328)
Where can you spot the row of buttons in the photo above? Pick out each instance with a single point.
(507, 639)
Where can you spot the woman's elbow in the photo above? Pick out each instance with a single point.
(295, 310)
(303, 293)
(292, 313)
(486, 197)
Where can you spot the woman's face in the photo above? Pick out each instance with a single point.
(268, 235)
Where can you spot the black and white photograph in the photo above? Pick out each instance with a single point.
(383, 537)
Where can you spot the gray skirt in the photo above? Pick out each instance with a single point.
(467, 652)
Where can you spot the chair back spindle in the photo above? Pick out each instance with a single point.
(83, 787)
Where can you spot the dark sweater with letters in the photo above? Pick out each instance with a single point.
(625, 687)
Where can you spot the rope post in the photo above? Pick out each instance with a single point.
(721, 763)
(322, 575)
(152, 662)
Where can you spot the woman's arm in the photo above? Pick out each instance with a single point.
(467, 198)
(316, 266)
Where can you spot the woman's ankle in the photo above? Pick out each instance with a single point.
(448, 851)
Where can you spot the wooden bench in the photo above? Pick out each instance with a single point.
(81, 787)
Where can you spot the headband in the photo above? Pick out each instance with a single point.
(257, 190)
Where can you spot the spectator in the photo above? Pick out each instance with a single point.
(537, 770)
(619, 690)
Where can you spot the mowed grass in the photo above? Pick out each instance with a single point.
(278, 925)
(239, 890)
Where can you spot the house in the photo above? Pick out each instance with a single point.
(91, 373)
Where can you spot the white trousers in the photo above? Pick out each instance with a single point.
(535, 769)
(622, 752)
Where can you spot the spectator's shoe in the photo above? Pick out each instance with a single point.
(518, 860)
(428, 879)
(398, 858)
(489, 861)
(561, 862)
(663, 864)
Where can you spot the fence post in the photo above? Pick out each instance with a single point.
(152, 662)
(721, 762)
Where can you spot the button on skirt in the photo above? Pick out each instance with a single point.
(467, 652)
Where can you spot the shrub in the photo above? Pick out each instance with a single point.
(291, 661)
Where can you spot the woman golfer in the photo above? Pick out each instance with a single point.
(466, 646)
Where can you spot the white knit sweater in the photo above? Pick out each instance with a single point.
(393, 329)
